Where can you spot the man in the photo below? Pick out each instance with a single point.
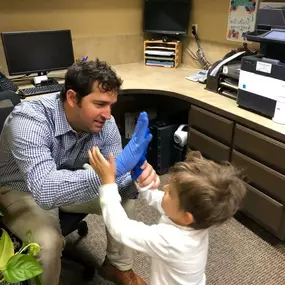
(43, 148)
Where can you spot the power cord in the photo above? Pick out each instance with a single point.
(201, 57)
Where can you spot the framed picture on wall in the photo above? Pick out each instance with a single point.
(241, 19)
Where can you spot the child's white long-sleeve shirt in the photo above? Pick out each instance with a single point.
(179, 254)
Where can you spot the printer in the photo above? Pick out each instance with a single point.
(223, 76)
(262, 76)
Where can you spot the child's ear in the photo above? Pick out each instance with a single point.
(188, 219)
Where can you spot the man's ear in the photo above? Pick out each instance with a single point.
(71, 98)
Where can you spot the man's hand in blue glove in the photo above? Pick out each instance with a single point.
(148, 177)
(136, 147)
(137, 171)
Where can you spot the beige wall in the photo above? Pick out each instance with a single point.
(212, 19)
(112, 29)
(109, 29)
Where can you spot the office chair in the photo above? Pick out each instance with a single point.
(69, 222)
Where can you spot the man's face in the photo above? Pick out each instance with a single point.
(93, 110)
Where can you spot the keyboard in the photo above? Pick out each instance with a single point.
(42, 89)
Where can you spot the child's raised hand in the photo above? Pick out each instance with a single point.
(106, 170)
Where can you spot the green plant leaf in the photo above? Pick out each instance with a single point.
(37, 280)
(34, 249)
(21, 267)
(6, 249)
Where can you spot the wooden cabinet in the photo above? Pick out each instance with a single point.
(210, 133)
(262, 160)
(211, 124)
(260, 157)
(209, 147)
(263, 148)
(264, 178)
(264, 210)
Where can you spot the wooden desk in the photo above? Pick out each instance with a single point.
(221, 131)
(27, 83)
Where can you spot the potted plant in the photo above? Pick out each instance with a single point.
(17, 261)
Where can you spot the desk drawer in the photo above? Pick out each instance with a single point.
(262, 177)
(211, 124)
(260, 147)
(209, 147)
(263, 209)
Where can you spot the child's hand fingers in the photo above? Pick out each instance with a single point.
(90, 155)
(99, 156)
(112, 161)
(94, 152)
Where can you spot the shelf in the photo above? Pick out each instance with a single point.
(163, 48)
(229, 85)
(159, 58)
(160, 52)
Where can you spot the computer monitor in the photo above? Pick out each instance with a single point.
(39, 52)
(169, 17)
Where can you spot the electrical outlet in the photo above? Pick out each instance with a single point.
(196, 28)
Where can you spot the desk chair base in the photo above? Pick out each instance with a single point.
(69, 223)
(82, 229)
(70, 253)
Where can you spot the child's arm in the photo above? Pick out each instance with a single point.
(152, 240)
(152, 197)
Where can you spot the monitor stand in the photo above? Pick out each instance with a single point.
(42, 80)
(167, 38)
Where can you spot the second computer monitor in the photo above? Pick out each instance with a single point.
(37, 51)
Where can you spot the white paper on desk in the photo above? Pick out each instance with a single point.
(158, 52)
(216, 69)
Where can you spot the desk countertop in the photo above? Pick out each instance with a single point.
(139, 76)
(143, 79)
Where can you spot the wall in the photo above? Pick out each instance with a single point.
(112, 29)
(108, 29)
(212, 19)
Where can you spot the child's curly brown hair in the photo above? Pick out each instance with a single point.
(211, 192)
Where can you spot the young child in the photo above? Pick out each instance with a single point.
(201, 194)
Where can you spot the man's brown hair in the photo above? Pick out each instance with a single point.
(81, 76)
(211, 192)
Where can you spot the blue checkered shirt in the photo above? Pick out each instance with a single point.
(41, 153)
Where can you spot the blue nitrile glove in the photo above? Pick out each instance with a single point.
(137, 171)
(134, 150)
